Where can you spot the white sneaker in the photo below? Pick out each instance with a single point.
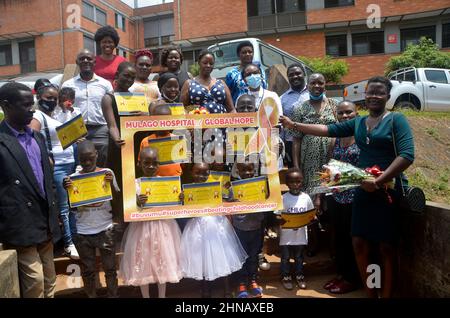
(71, 251)
(263, 263)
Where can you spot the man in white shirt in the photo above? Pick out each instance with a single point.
(89, 91)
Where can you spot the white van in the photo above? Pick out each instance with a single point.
(266, 54)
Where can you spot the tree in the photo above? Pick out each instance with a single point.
(194, 69)
(423, 54)
(333, 70)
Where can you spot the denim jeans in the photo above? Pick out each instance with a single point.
(67, 218)
(86, 245)
(296, 251)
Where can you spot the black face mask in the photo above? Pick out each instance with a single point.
(47, 105)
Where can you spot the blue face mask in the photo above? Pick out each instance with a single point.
(320, 97)
(254, 80)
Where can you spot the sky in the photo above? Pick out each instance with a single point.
(144, 3)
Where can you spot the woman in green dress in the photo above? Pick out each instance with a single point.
(375, 217)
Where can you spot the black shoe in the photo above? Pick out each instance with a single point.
(286, 281)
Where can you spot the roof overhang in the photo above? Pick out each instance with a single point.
(20, 35)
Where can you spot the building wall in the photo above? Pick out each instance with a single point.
(150, 11)
(309, 43)
(201, 18)
(358, 11)
(44, 16)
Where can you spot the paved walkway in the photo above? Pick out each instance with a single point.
(318, 270)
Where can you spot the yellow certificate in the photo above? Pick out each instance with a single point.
(238, 139)
(161, 191)
(171, 149)
(176, 108)
(89, 188)
(69, 132)
(223, 177)
(250, 190)
(127, 103)
(297, 220)
(209, 193)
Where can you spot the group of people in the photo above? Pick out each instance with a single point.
(202, 248)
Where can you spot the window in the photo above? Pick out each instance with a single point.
(412, 36)
(446, 35)
(336, 45)
(338, 3)
(290, 6)
(368, 43)
(89, 44)
(270, 57)
(88, 11)
(436, 76)
(151, 41)
(5, 54)
(94, 13)
(100, 16)
(120, 22)
(121, 52)
(267, 7)
(410, 76)
(158, 31)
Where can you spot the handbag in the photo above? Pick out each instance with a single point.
(412, 198)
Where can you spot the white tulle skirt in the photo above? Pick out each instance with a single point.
(151, 253)
(210, 248)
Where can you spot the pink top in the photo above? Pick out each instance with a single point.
(107, 69)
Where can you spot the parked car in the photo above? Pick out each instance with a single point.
(263, 53)
(426, 89)
(30, 79)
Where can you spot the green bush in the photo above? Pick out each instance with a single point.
(194, 69)
(332, 69)
(423, 54)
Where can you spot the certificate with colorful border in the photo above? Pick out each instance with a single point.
(69, 132)
(176, 108)
(297, 220)
(208, 193)
(89, 188)
(223, 177)
(250, 190)
(161, 191)
(171, 149)
(127, 103)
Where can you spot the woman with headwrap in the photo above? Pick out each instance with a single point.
(143, 64)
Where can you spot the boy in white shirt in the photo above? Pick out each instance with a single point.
(294, 241)
(94, 226)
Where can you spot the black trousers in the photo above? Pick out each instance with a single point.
(341, 218)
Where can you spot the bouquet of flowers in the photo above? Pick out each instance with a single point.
(199, 111)
(340, 176)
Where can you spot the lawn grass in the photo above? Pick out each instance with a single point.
(413, 113)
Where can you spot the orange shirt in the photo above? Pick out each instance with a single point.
(170, 170)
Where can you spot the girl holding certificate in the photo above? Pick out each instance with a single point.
(151, 249)
(210, 247)
(63, 159)
(124, 79)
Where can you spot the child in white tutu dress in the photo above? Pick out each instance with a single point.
(151, 249)
(210, 247)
